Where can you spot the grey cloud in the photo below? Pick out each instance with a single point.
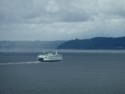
(74, 17)
(18, 11)
(61, 19)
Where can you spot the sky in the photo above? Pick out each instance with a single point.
(61, 19)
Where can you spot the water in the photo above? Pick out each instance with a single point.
(79, 73)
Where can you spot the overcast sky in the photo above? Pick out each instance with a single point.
(61, 19)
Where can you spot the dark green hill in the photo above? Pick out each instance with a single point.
(94, 43)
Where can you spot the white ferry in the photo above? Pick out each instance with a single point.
(50, 57)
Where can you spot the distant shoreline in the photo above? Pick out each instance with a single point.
(97, 43)
(63, 51)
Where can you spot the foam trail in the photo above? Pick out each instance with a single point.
(18, 63)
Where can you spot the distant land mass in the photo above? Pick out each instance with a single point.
(28, 45)
(96, 43)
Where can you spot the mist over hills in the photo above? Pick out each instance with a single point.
(96, 43)
(108, 43)
(28, 45)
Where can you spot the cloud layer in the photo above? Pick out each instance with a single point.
(61, 19)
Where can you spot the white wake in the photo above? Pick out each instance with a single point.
(18, 63)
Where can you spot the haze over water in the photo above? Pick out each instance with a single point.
(84, 72)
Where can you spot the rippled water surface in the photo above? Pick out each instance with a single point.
(79, 73)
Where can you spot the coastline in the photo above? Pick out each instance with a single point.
(63, 50)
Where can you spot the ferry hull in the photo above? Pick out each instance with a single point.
(50, 60)
(42, 60)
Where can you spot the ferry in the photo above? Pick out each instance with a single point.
(50, 57)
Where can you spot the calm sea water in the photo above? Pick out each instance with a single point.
(79, 73)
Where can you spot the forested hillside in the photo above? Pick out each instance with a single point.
(94, 43)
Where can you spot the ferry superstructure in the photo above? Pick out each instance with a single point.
(50, 57)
